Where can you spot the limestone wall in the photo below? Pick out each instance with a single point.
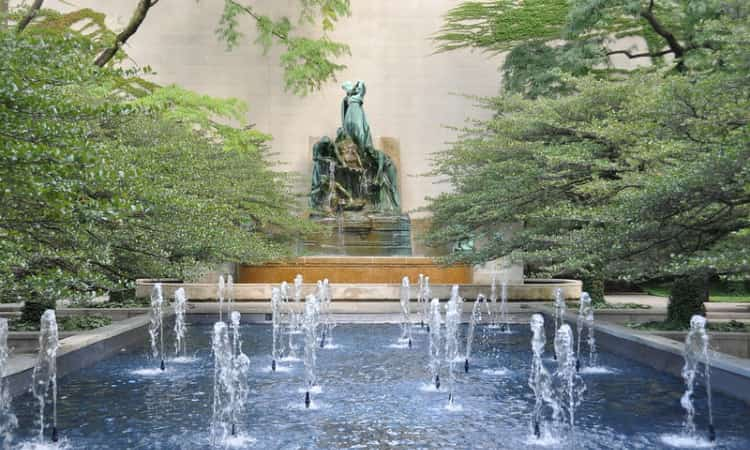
(409, 89)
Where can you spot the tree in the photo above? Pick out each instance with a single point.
(307, 62)
(639, 176)
(106, 177)
(549, 39)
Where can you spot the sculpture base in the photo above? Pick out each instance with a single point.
(355, 270)
(360, 235)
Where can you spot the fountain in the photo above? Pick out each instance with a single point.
(405, 313)
(297, 301)
(569, 386)
(221, 417)
(476, 317)
(310, 326)
(156, 324)
(426, 295)
(180, 304)
(559, 308)
(539, 378)
(504, 325)
(696, 351)
(276, 300)
(220, 290)
(325, 305)
(586, 320)
(230, 387)
(229, 289)
(294, 316)
(457, 299)
(354, 190)
(420, 300)
(8, 421)
(493, 302)
(452, 321)
(45, 371)
(435, 344)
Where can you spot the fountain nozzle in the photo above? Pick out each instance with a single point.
(437, 381)
(233, 430)
(307, 399)
(409, 342)
(162, 365)
(466, 365)
(578, 365)
(55, 437)
(273, 365)
(711, 433)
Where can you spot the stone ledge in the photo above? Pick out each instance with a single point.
(730, 375)
(531, 290)
(81, 350)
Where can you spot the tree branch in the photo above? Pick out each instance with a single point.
(3, 14)
(255, 16)
(674, 44)
(640, 55)
(139, 15)
(33, 11)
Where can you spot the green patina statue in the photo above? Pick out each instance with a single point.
(350, 173)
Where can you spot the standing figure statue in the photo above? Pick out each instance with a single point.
(353, 120)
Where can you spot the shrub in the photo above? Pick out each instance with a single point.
(34, 308)
(595, 287)
(687, 298)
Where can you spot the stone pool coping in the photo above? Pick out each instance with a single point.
(729, 375)
(81, 350)
(531, 289)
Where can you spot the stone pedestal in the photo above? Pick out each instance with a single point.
(361, 235)
(356, 270)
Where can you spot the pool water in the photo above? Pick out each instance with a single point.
(373, 396)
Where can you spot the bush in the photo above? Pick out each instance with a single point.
(595, 287)
(34, 308)
(687, 298)
(121, 295)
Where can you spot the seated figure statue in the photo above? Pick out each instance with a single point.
(362, 174)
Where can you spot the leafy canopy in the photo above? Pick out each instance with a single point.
(639, 176)
(105, 177)
(307, 62)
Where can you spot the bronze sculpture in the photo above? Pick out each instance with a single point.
(350, 173)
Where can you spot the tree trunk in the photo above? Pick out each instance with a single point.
(33, 11)
(687, 298)
(139, 15)
(3, 14)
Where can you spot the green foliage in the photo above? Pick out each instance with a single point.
(307, 62)
(536, 69)
(549, 39)
(500, 25)
(82, 323)
(637, 178)
(732, 326)
(689, 293)
(71, 323)
(106, 178)
(595, 287)
(33, 309)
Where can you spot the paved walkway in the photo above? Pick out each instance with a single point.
(716, 311)
(642, 299)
